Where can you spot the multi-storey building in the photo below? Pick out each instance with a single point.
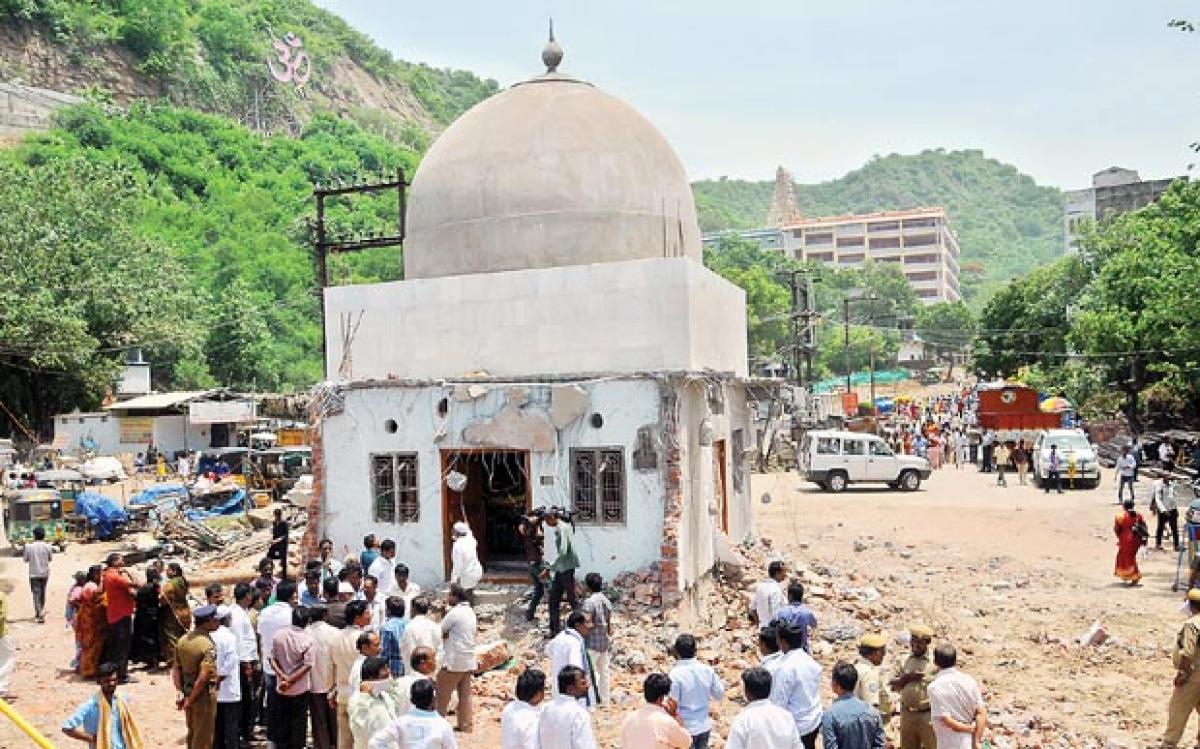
(1114, 191)
(919, 241)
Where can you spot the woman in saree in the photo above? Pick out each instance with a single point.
(146, 627)
(90, 624)
(1128, 543)
(175, 614)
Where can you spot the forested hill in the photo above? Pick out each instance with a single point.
(212, 55)
(1007, 224)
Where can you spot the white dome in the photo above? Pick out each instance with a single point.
(551, 172)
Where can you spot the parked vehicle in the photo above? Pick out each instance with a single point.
(1078, 458)
(27, 509)
(277, 469)
(1004, 407)
(103, 468)
(835, 459)
(68, 483)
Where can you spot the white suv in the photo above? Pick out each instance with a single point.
(1074, 450)
(833, 460)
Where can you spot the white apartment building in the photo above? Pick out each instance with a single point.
(920, 241)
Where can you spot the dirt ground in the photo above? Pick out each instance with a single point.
(1012, 576)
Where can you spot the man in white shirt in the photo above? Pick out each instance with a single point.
(519, 721)
(1126, 471)
(324, 716)
(565, 723)
(761, 724)
(229, 691)
(273, 619)
(768, 595)
(569, 648)
(768, 648)
(37, 555)
(421, 630)
(693, 686)
(343, 652)
(419, 728)
(465, 569)
(459, 628)
(796, 685)
(247, 638)
(383, 569)
(1165, 507)
(955, 702)
(422, 667)
(376, 604)
(405, 588)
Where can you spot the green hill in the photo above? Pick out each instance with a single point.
(1006, 223)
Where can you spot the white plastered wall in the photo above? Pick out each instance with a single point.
(350, 437)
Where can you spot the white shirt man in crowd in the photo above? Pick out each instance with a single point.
(405, 588)
(376, 604)
(421, 632)
(1126, 473)
(768, 647)
(272, 620)
(459, 627)
(247, 638)
(566, 722)
(1165, 506)
(37, 555)
(383, 569)
(955, 702)
(465, 568)
(519, 720)
(569, 648)
(420, 727)
(761, 724)
(693, 686)
(768, 595)
(343, 652)
(421, 667)
(324, 716)
(229, 688)
(796, 685)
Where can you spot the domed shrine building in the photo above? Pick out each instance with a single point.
(557, 341)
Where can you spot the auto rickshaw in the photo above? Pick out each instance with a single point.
(68, 483)
(27, 509)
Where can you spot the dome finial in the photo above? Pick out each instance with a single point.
(552, 54)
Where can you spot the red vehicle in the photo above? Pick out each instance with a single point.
(1014, 408)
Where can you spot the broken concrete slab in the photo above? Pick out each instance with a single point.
(514, 428)
(568, 403)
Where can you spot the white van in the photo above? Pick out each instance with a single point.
(833, 460)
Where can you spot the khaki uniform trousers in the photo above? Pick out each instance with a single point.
(202, 722)
(916, 730)
(345, 739)
(1184, 699)
(451, 682)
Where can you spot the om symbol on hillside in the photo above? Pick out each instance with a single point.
(296, 66)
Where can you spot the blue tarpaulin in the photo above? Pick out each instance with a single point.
(155, 492)
(235, 505)
(103, 514)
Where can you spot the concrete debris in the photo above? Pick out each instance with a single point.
(467, 393)
(568, 403)
(1095, 636)
(515, 428)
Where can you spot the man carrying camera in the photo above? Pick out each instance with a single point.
(566, 561)
(529, 528)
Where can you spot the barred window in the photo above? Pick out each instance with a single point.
(598, 485)
(394, 488)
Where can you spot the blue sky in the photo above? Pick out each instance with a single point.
(1060, 88)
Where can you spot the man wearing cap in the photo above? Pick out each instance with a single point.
(195, 677)
(911, 681)
(229, 691)
(1186, 696)
(869, 687)
(465, 569)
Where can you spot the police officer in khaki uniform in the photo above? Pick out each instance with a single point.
(1186, 696)
(911, 680)
(870, 689)
(195, 677)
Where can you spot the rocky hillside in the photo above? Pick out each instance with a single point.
(222, 57)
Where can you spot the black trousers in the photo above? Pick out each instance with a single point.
(229, 725)
(1053, 478)
(291, 718)
(539, 589)
(1168, 519)
(37, 587)
(270, 716)
(116, 645)
(563, 584)
(324, 721)
(250, 702)
(1125, 481)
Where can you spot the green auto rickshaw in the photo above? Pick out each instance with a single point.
(27, 509)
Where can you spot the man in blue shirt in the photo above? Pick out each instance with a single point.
(693, 686)
(391, 633)
(850, 723)
(797, 614)
(104, 720)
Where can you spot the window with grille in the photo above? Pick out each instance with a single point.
(598, 485)
(394, 488)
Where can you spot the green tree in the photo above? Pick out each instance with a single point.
(768, 298)
(948, 327)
